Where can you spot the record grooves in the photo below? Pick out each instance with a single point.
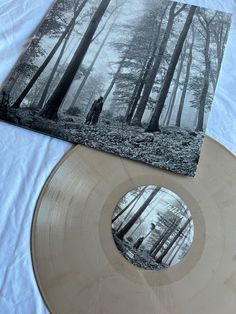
(77, 265)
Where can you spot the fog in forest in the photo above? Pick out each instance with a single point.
(134, 78)
(152, 227)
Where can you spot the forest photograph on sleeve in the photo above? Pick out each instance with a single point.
(131, 77)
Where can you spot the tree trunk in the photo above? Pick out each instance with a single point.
(213, 80)
(127, 206)
(115, 76)
(131, 209)
(53, 72)
(52, 106)
(49, 58)
(185, 87)
(169, 246)
(180, 243)
(160, 242)
(203, 98)
(63, 66)
(144, 74)
(9, 87)
(169, 107)
(138, 213)
(220, 48)
(142, 220)
(172, 252)
(36, 97)
(154, 123)
(153, 73)
(175, 91)
(108, 91)
(135, 98)
(89, 70)
(139, 112)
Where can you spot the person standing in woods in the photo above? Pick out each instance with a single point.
(94, 112)
(98, 110)
(89, 116)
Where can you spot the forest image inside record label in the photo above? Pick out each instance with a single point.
(152, 227)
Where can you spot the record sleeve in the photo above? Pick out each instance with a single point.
(133, 78)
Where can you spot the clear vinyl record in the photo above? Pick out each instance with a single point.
(75, 243)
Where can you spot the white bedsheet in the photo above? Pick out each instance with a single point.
(27, 158)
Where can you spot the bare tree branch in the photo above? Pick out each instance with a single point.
(180, 10)
(201, 33)
(199, 16)
(105, 24)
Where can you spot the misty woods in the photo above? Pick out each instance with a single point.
(152, 227)
(155, 63)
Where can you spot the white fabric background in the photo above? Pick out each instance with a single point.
(27, 158)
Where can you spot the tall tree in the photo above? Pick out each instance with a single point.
(137, 196)
(93, 89)
(53, 72)
(179, 243)
(169, 106)
(136, 216)
(53, 104)
(153, 73)
(154, 123)
(117, 73)
(142, 38)
(145, 71)
(206, 23)
(158, 245)
(113, 81)
(90, 68)
(175, 89)
(220, 32)
(172, 242)
(186, 81)
(129, 212)
(49, 57)
(51, 26)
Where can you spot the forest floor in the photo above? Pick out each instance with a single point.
(173, 148)
(138, 257)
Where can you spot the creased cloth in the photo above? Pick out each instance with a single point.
(27, 158)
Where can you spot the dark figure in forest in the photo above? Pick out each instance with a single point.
(138, 243)
(4, 102)
(94, 112)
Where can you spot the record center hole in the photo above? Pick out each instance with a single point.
(152, 227)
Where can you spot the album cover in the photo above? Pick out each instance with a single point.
(135, 78)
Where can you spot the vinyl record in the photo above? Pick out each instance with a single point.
(78, 266)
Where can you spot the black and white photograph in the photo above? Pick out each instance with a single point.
(152, 227)
(135, 78)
